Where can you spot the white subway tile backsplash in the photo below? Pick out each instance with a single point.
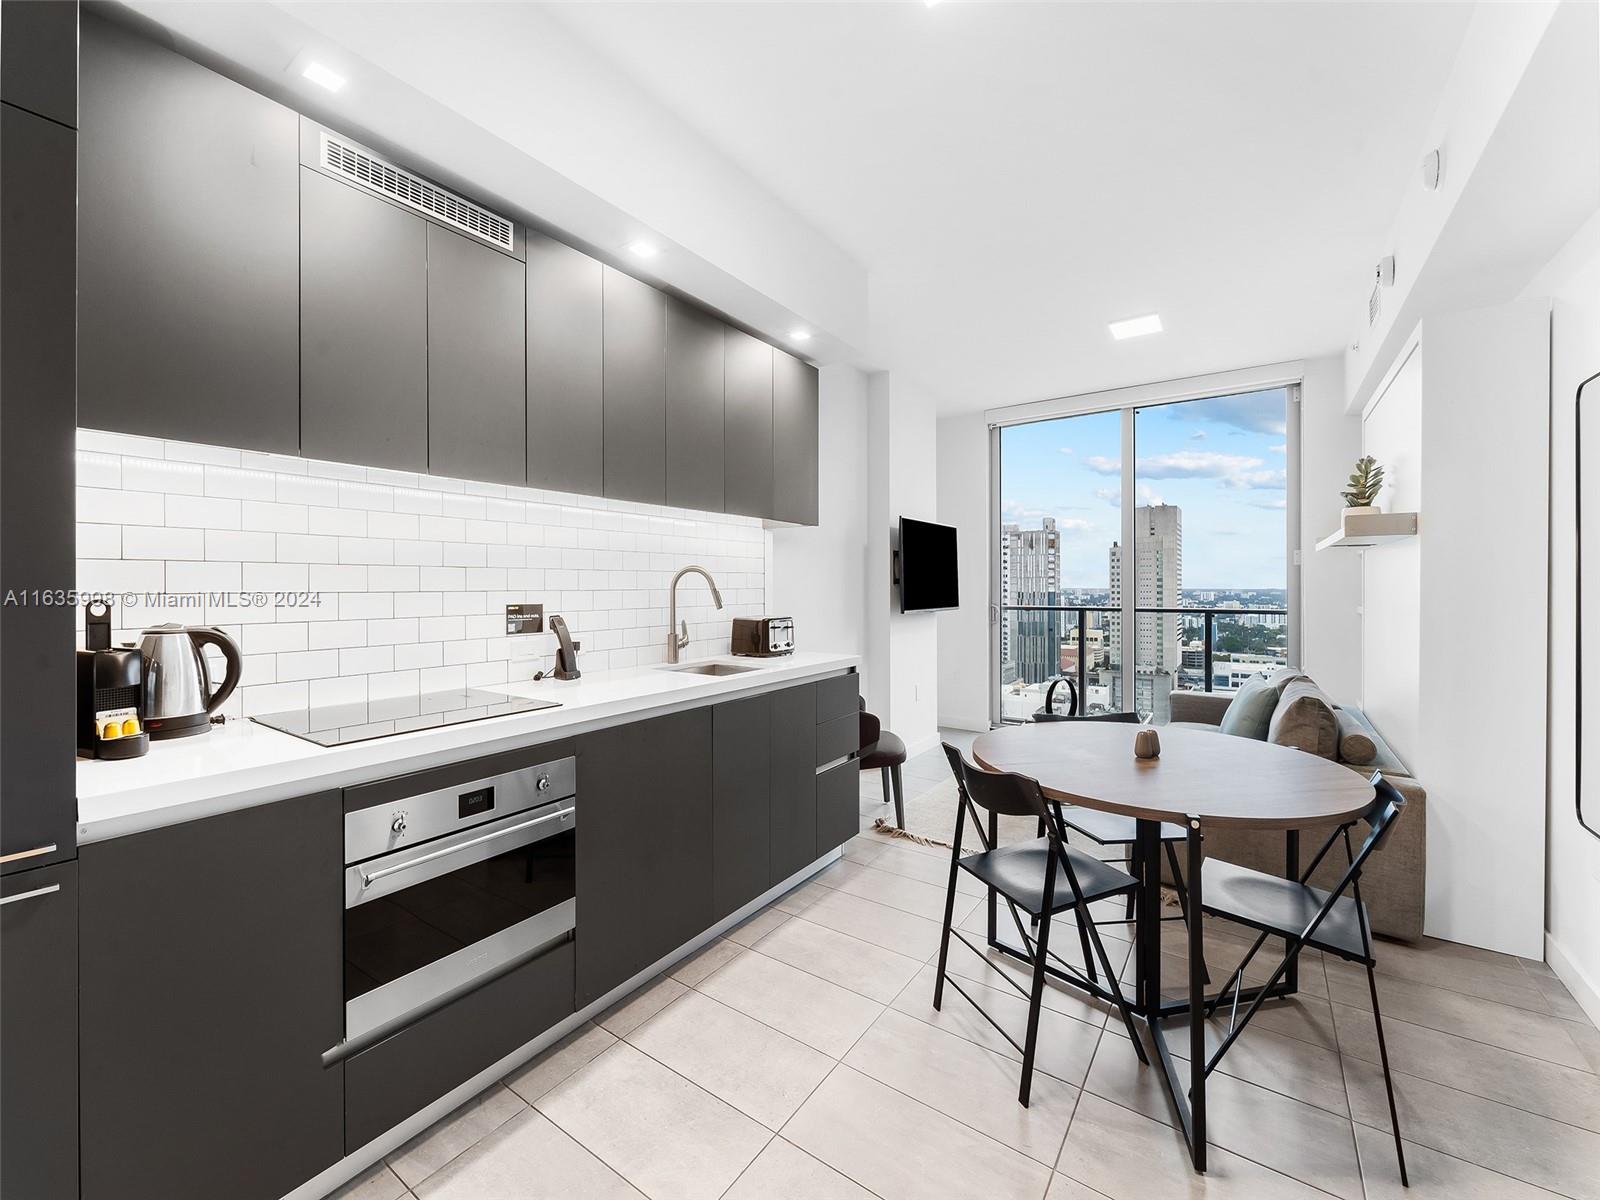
(155, 541)
(346, 582)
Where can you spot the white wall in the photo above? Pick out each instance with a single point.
(819, 575)
(1330, 583)
(1392, 579)
(965, 681)
(1572, 282)
(902, 648)
(1464, 426)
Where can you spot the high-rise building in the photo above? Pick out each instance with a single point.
(1030, 574)
(1157, 583)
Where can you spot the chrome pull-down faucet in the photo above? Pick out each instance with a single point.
(676, 639)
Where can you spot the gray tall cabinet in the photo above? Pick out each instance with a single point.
(566, 423)
(634, 357)
(38, 871)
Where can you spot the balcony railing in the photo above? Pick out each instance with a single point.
(1079, 615)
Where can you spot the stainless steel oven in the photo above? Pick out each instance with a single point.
(449, 887)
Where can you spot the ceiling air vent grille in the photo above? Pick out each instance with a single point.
(355, 164)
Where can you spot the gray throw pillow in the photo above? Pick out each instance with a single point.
(1355, 741)
(1250, 711)
(1305, 720)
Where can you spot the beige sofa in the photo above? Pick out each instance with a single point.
(1393, 882)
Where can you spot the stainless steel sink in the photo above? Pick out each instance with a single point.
(712, 668)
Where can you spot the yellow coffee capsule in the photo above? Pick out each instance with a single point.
(112, 730)
(130, 727)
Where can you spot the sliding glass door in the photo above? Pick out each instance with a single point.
(1143, 550)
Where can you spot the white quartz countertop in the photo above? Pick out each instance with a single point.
(241, 764)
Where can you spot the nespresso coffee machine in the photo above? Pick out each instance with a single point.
(110, 692)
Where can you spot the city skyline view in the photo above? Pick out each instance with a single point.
(1222, 460)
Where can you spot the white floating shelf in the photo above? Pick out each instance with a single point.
(1371, 529)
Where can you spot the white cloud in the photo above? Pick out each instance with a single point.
(1231, 470)
(1112, 496)
(1279, 449)
(1199, 435)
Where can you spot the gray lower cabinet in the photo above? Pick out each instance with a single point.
(748, 448)
(635, 389)
(644, 845)
(363, 328)
(741, 802)
(188, 210)
(211, 984)
(37, 429)
(477, 405)
(694, 407)
(566, 423)
(39, 1033)
(838, 804)
(794, 439)
(794, 780)
(409, 1070)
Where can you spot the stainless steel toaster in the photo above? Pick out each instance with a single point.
(763, 637)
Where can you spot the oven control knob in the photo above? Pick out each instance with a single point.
(544, 783)
(398, 825)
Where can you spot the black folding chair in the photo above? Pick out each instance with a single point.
(1306, 916)
(1027, 875)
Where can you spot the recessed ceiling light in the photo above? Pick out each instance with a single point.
(800, 335)
(320, 74)
(1136, 327)
(643, 249)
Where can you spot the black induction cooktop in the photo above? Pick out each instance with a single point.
(341, 724)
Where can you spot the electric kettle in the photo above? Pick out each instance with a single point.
(178, 696)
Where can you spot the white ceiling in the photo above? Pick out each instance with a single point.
(1013, 176)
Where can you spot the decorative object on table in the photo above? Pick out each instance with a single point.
(1048, 712)
(1586, 654)
(1147, 743)
(1366, 481)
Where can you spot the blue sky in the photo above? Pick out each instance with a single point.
(1221, 460)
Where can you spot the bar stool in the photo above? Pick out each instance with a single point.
(883, 751)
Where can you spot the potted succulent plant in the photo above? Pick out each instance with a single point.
(1366, 481)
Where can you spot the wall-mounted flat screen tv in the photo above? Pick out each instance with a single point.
(927, 566)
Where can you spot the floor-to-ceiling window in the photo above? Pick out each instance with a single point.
(1143, 550)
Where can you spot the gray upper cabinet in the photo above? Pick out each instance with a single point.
(363, 328)
(794, 439)
(187, 250)
(747, 451)
(477, 410)
(566, 429)
(694, 408)
(39, 58)
(635, 382)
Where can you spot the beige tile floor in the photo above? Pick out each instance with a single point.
(800, 1058)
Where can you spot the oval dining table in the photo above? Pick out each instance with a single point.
(1200, 780)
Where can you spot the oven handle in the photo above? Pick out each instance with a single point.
(368, 879)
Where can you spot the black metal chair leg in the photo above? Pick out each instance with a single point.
(949, 906)
(888, 792)
(1035, 1001)
(899, 797)
(1388, 1082)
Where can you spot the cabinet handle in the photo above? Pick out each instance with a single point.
(34, 853)
(44, 891)
(368, 879)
